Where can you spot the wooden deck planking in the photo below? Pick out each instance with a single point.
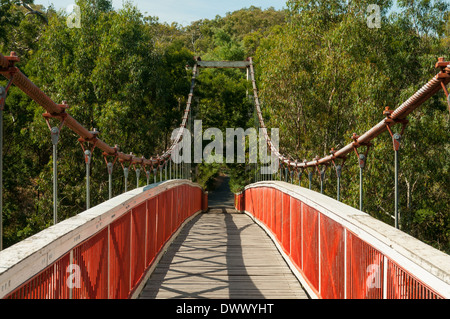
(222, 254)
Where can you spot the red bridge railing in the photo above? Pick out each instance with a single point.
(105, 252)
(337, 251)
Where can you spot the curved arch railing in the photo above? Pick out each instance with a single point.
(15, 76)
(105, 252)
(339, 252)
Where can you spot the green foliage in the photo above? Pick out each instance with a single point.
(322, 74)
(206, 172)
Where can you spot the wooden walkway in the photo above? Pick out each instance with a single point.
(222, 254)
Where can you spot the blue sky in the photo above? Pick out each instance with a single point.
(183, 12)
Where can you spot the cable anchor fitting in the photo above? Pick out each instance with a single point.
(396, 137)
(362, 158)
(337, 167)
(110, 165)
(88, 153)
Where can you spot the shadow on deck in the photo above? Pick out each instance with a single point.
(222, 254)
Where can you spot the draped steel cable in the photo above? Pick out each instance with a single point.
(9, 70)
(438, 82)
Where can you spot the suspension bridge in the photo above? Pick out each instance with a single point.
(171, 239)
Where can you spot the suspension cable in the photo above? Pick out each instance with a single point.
(396, 116)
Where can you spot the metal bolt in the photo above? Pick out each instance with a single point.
(54, 135)
(339, 170)
(110, 167)
(88, 156)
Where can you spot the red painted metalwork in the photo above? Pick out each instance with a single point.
(402, 285)
(296, 232)
(119, 257)
(138, 222)
(286, 221)
(366, 271)
(8, 69)
(270, 207)
(129, 245)
(49, 283)
(239, 201)
(310, 246)
(92, 258)
(332, 257)
(317, 246)
(438, 82)
(151, 239)
(278, 218)
(333, 261)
